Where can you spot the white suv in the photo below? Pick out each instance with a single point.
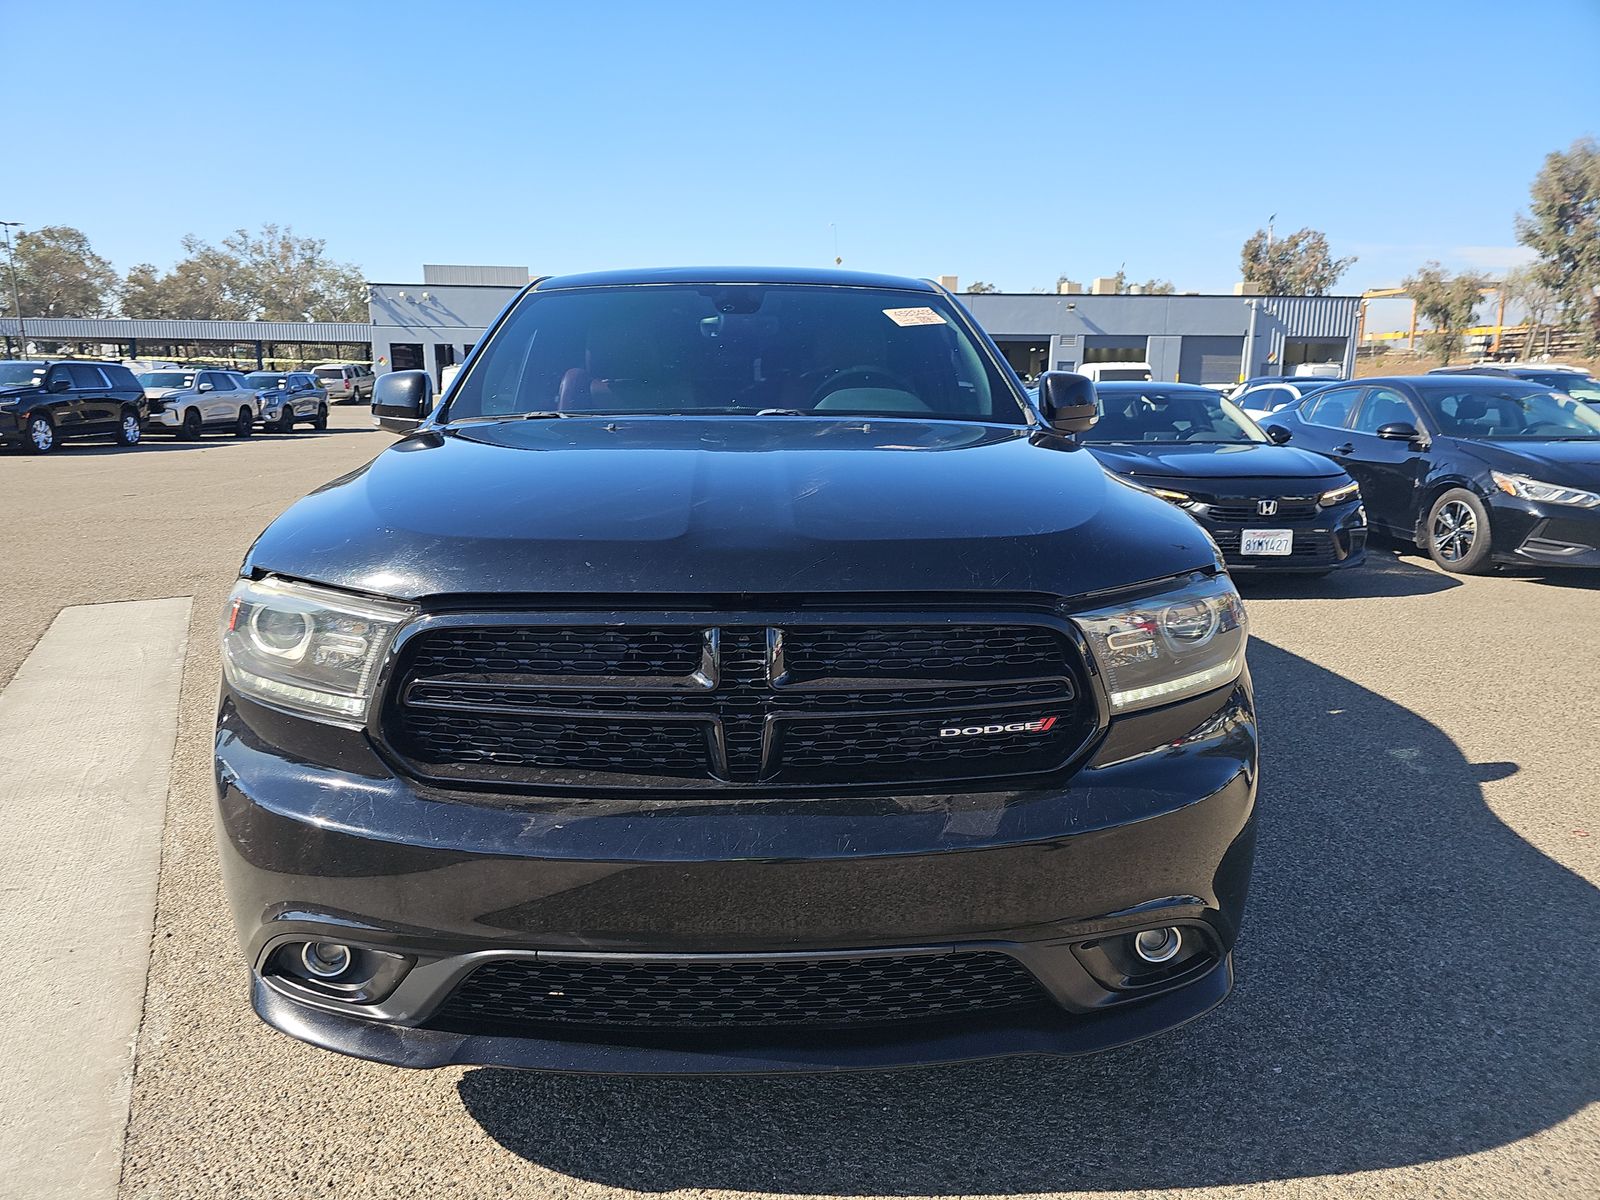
(191, 400)
(346, 382)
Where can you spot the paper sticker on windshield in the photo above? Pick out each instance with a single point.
(913, 316)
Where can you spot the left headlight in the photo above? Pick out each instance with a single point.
(1169, 646)
(1339, 495)
(1545, 493)
(308, 649)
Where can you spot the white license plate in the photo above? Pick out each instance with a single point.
(1267, 541)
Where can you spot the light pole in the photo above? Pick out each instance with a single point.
(16, 295)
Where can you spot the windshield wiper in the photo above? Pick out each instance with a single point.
(485, 418)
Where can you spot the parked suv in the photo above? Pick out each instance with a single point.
(289, 397)
(736, 673)
(189, 401)
(44, 402)
(346, 382)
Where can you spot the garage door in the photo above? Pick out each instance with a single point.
(1210, 359)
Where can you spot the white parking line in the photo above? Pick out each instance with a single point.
(86, 737)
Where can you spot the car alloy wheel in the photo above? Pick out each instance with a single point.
(245, 425)
(1455, 529)
(130, 432)
(41, 435)
(191, 425)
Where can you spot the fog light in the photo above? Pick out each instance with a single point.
(328, 960)
(1157, 945)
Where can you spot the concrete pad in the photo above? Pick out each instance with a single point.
(86, 738)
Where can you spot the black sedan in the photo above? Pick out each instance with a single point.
(1474, 469)
(1268, 507)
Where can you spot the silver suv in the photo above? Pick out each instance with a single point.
(191, 400)
(346, 382)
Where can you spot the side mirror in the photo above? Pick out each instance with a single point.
(205, 387)
(1399, 431)
(401, 399)
(59, 384)
(1277, 433)
(1067, 402)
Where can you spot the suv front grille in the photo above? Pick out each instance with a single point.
(783, 705)
(518, 996)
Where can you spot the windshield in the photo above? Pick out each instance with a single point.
(172, 379)
(1170, 415)
(751, 349)
(329, 373)
(1509, 410)
(20, 374)
(1581, 387)
(257, 380)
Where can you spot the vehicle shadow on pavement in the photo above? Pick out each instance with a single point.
(1384, 574)
(158, 443)
(1416, 982)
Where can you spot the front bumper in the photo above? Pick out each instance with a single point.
(1544, 535)
(1155, 828)
(1335, 540)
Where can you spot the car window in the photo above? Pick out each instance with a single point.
(85, 377)
(1331, 407)
(59, 371)
(1504, 409)
(1166, 414)
(1383, 406)
(120, 376)
(1266, 399)
(736, 349)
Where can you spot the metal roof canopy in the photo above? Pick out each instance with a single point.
(125, 329)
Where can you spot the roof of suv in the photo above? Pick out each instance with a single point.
(802, 275)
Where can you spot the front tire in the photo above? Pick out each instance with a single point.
(285, 423)
(41, 435)
(190, 428)
(245, 426)
(320, 421)
(129, 430)
(1457, 533)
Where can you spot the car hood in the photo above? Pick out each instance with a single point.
(688, 506)
(1572, 464)
(163, 393)
(1199, 460)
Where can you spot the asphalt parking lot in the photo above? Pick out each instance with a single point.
(1418, 994)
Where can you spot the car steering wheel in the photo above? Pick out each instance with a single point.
(832, 382)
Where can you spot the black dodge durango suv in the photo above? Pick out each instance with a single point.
(735, 671)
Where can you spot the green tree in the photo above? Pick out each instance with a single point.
(59, 275)
(1563, 228)
(1297, 265)
(271, 275)
(1526, 288)
(1158, 287)
(1447, 302)
(206, 284)
(979, 288)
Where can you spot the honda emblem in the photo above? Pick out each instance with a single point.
(1267, 508)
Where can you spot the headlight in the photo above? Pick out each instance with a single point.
(1171, 646)
(1339, 495)
(1546, 493)
(308, 649)
(1181, 499)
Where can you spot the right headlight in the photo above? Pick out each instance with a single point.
(312, 650)
(1169, 646)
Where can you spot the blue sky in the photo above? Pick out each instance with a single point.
(1004, 142)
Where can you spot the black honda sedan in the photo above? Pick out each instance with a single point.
(1268, 507)
(1474, 469)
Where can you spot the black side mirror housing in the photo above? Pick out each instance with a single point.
(1068, 402)
(1279, 435)
(400, 399)
(1399, 431)
(59, 384)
